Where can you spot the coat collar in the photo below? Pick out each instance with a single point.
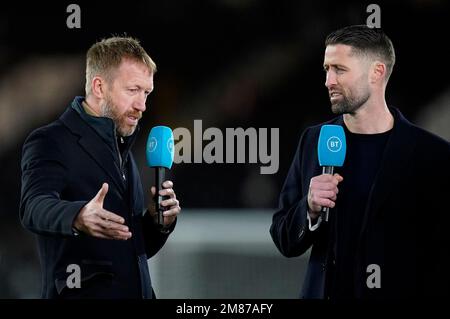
(103, 126)
(97, 136)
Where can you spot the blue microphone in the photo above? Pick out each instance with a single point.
(159, 152)
(331, 150)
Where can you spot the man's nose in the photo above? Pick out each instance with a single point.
(330, 79)
(139, 103)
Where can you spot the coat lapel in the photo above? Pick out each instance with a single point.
(94, 146)
(397, 155)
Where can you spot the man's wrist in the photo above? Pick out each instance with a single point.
(164, 229)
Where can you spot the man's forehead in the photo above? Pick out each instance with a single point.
(341, 50)
(135, 71)
(128, 64)
(340, 54)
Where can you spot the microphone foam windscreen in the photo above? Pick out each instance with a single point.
(331, 147)
(160, 148)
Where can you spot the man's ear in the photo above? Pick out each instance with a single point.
(98, 87)
(377, 72)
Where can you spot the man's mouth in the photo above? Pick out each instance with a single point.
(133, 119)
(335, 95)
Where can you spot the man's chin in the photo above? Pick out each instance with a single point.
(337, 109)
(127, 131)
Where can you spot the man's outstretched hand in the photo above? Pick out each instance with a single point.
(98, 222)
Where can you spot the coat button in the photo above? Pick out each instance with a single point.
(301, 233)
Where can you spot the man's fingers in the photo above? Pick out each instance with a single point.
(109, 224)
(163, 192)
(324, 202)
(98, 231)
(104, 214)
(325, 187)
(117, 234)
(108, 233)
(170, 202)
(167, 184)
(326, 182)
(113, 227)
(111, 235)
(324, 178)
(325, 194)
(167, 192)
(100, 197)
(172, 212)
(320, 197)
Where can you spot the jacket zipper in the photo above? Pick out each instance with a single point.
(120, 156)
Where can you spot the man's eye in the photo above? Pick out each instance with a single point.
(133, 90)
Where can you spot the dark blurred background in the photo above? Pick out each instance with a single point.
(230, 63)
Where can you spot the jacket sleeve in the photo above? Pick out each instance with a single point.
(290, 228)
(42, 210)
(154, 237)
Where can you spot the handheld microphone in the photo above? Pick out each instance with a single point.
(331, 150)
(159, 152)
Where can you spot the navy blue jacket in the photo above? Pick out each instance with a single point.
(64, 165)
(404, 225)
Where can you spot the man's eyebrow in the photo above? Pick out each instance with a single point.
(140, 87)
(341, 66)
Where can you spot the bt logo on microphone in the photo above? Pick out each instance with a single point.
(334, 144)
(170, 144)
(152, 144)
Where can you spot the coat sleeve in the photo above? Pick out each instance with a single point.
(290, 229)
(42, 210)
(154, 238)
(435, 220)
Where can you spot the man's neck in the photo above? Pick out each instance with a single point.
(91, 111)
(370, 119)
(89, 108)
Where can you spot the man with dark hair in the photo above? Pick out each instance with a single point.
(81, 190)
(386, 236)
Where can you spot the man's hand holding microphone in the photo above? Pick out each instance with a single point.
(323, 189)
(170, 205)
